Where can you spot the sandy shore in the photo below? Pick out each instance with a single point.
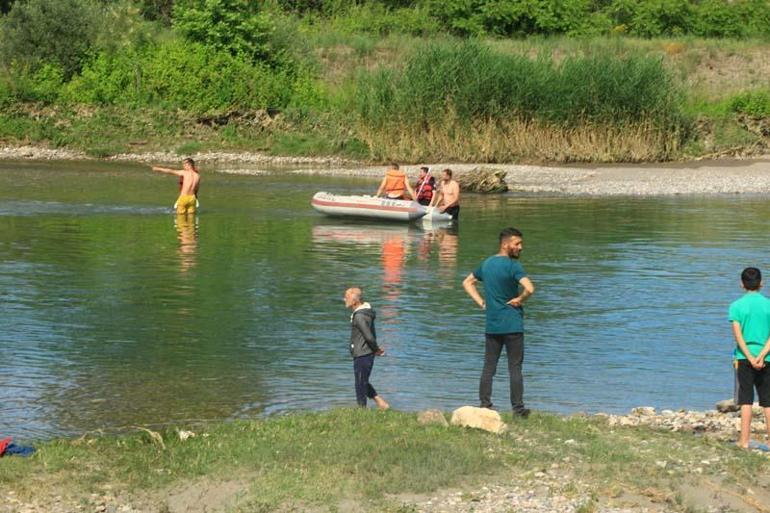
(751, 176)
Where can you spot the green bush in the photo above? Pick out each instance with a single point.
(476, 83)
(187, 76)
(60, 32)
(754, 103)
(234, 26)
(20, 84)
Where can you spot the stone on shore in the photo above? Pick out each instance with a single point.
(432, 417)
(727, 406)
(479, 418)
(487, 181)
(643, 411)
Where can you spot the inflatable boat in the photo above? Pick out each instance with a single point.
(367, 206)
(434, 215)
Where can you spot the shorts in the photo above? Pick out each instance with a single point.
(454, 212)
(746, 379)
(185, 204)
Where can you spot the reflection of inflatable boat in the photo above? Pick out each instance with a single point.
(367, 206)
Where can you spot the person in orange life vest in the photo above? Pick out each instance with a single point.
(395, 184)
(425, 186)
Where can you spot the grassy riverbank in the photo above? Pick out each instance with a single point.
(375, 83)
(347, 460)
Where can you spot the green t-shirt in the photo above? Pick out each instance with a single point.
(500, 276)
(752, 312)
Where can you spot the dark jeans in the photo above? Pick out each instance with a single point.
(454, 212)
(362, 368)
(514, 348)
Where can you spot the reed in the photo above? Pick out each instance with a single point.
(521, 140)
(480, 83)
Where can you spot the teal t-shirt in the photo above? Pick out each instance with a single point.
(500, 276)
(752, 312)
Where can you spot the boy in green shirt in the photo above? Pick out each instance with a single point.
(750, 318)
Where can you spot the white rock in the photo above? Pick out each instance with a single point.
(479, 418)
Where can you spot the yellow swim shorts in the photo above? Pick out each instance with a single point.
(185, 204)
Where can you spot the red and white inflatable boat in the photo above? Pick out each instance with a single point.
(367, 206)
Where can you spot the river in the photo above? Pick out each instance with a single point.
(113, 313)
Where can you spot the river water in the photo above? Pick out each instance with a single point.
(113, 313)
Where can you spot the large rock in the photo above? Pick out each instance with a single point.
(487, 181)
(428, 417)
(643, 411)
(479, 418)
(727, 406)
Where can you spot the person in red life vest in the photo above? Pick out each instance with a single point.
(395, 184)
(425, 186)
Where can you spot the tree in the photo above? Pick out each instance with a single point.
(235, 26)
(59, 32)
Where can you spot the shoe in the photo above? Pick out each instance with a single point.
(523, 413)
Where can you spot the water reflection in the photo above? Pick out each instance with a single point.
(187, 233)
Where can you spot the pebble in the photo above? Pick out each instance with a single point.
(704, 177)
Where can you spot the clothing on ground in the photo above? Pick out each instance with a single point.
(500, 276)
(8, 448)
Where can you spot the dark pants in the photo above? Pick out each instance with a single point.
(454, 212)
(514, 348)
(362, 368)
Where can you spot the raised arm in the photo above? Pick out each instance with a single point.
(469, 284)
(168, 171)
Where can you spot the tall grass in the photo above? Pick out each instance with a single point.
(478, 83)
(464, 100)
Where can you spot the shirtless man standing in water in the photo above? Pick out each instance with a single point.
(448, 197)
(189, 182)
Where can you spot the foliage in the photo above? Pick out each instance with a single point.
(59, 32)
(183, 75)
(159, 10)
(754, 103)
(475, 82)
(234, 26)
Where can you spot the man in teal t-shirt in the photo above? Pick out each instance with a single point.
(750, 318)
(503, 278)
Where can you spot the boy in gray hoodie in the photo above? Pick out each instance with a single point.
(363, 346)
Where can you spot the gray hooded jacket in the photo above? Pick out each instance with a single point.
(363, 337)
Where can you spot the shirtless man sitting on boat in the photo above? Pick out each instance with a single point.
(189, 182)
(448, 196)
(395, 184)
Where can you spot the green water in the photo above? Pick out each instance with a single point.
(113, 313)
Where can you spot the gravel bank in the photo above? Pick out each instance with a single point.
(695, 178)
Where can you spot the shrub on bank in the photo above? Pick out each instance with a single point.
(187, 76)
(56, 32)
(518, 18)
(754, 103)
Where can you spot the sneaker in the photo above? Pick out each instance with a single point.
(523, 413)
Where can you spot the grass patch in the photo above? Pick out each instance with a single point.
(371, 457)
